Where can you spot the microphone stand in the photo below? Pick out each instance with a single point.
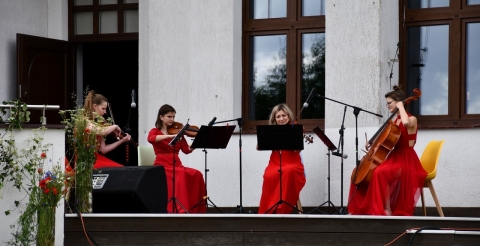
(240, 209)
(356, 111)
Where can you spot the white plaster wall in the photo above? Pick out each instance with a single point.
(22, 16)
(55, 156)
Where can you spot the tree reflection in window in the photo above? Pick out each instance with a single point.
(313, 74)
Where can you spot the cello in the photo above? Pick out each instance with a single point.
(381, 143)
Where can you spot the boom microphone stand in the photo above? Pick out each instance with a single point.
(356, 111)
(240, 123)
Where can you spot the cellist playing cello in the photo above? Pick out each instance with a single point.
(394, 187)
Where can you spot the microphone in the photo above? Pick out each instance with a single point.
(212, 122)
(305, 105)
(344, 156)
(133, 104)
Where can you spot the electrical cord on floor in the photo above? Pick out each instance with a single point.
(87, 235)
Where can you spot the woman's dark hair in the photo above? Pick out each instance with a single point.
(397, 94)
(165, 109)
(91, 99)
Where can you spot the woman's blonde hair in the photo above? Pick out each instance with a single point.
(91, 99)
(280, 107)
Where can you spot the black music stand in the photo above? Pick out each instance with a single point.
(173, 199)
(331, 147)
(211, 137)
(280, 137)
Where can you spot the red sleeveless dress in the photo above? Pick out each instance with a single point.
(399, 178)
(293, 180)
(103, 161)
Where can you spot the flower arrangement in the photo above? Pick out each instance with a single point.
(84, 144)
(23, 167)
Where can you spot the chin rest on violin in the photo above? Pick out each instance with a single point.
(176, 127)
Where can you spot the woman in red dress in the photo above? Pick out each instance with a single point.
(395, 185)
(189, 183)
(293, 173)
(96, 106)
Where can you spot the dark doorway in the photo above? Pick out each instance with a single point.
(111, 69)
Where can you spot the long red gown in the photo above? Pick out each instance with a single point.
(293, 180)
(399, 178)
(189, 183)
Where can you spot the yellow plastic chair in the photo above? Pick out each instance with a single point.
(146, 155)
(429, 162)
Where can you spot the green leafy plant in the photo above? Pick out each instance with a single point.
(23, 168)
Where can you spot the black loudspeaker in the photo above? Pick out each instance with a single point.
(129, 190)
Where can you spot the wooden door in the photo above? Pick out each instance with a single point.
(45, 75)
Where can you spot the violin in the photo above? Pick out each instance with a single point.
(381, 144)
(308, 139)
(175, 128)
(118, 135)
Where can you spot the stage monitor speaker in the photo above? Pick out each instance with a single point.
(129, 189)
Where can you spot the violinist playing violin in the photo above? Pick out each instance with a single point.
(96, 106)
(395, 185)
(189, 183)
(293, 173)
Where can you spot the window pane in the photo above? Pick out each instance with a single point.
(421, 4)
(268, 74)
(108, 22)
(313, 7)
(473, 69)
(82, 2)
(313, 74)
(263, 9)
(427, 69)
(473, 1)
(130, 21)
(104, 2)
(83, 23)
(130, 1)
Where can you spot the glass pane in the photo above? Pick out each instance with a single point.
(130, 1)
(427, 69)
(83, 23)
(473, 1)
(263, 9)
(104, 2)
(472, 73)
(268, 76)
(422, 4)
(82, 2)
(313, 7)
(130, 21)
(108, 22)
(313, 74)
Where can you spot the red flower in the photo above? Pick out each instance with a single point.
(46, 190)
(87, 130)
(43, 155)
(40, 170)
(54, 191)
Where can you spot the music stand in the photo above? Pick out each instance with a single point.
(331, 147)
(280, 137)
(173, 199)
(211, 137)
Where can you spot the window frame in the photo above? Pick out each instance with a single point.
(95, 8)
(293, 26)
(455, 16)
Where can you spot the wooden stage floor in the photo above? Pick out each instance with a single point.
(261, 229)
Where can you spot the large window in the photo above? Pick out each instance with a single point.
(441, 56)
(102, 20)
(283, 59)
